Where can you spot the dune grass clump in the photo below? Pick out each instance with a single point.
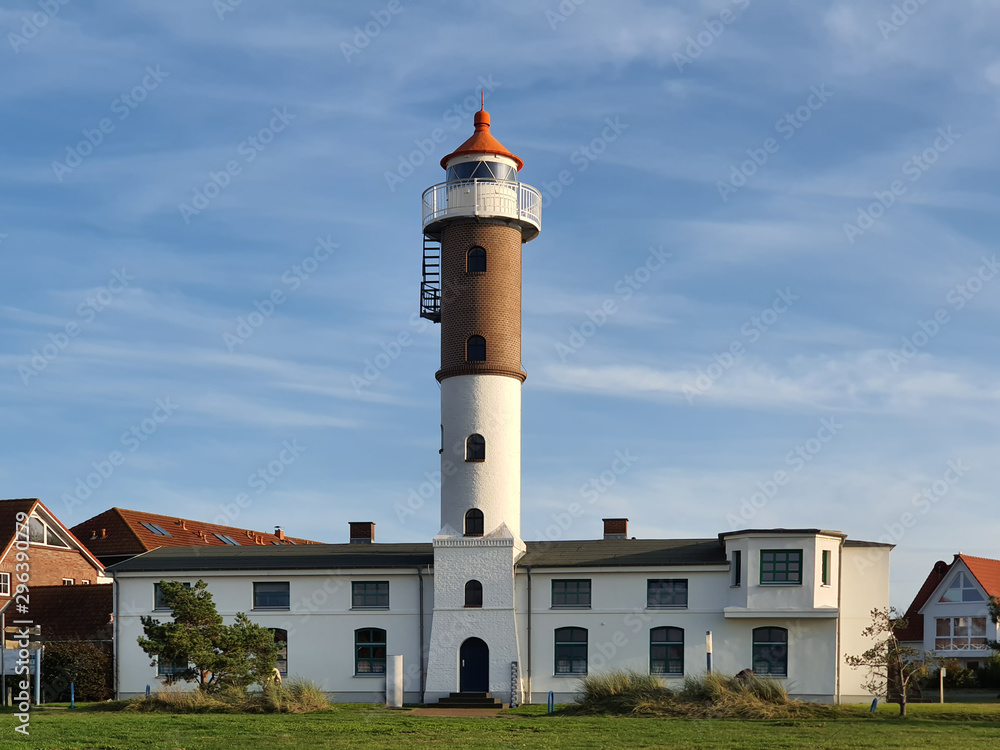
(707, 696)
(292, 697)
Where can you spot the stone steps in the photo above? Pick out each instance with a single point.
(471, 700)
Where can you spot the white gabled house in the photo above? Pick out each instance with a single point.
(950, 616)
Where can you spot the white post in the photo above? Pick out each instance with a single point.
(941, 686)
(394, 681)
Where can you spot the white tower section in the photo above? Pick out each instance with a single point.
(481, 216)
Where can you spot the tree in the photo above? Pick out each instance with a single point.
(994, 609)
(216, 655)
(892, 668)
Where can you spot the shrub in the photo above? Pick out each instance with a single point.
(988, 674)
(83, 663)
(293, 697)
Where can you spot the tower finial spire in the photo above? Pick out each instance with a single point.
(482, 100)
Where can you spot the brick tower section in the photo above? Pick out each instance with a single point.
(486, 304)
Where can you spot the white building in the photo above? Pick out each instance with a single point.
(478, 610)
(949, 616)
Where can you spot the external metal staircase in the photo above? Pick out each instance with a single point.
(430, 284)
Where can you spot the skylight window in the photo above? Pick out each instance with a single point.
(156, 528)
(227, 539)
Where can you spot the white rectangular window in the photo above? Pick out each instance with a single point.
(68, 581)
(4, 584)
(960, 633)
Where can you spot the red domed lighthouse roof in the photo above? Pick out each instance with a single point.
(482, 142)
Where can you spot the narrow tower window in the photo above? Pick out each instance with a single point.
(476, 260)
(475, 448)
(475, 349)
(474, 522)
(473, 594)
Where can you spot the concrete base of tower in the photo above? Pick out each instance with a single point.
(474, 638)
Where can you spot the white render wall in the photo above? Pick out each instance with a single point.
(491, 562)
(320, 625)
(865, 573)
(489, 405)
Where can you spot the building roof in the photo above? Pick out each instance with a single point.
(120, 532)
(603, 553)
(482, 142)
(985, 571)
(591, 553)
(9, 511)
(914, 630)
(283, 557)
(70, 612)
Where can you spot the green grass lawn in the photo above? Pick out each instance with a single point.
(964, 726)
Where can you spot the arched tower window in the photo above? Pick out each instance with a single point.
(473, 594)
(475, 349)
(475, 448)
(475, 261)
(474, 522)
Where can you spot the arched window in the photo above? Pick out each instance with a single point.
(475, 349)
(473, 594)
(475, 448)
(474, 522)
(770, 652)
(666, 651)
(281, 639)
(571, 651)
(475, 260)
(369, 651)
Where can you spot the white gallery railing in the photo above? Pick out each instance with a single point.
(512, 200)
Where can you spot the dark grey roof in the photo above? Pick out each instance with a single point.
(622, 552)
(284, 557)
(793, 532)
(601, 553)
(863, 543)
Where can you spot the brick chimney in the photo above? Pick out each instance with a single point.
(280, 533)
(362, 532)
(615, 528)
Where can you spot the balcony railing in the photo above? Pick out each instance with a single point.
(486, 198)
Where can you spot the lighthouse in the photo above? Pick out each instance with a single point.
(474, 224)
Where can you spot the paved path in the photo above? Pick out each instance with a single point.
(455, 712)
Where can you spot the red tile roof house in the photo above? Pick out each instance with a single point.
(119, 534)
(58, 565)
(949, 614)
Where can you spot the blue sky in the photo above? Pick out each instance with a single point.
(766, 264)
